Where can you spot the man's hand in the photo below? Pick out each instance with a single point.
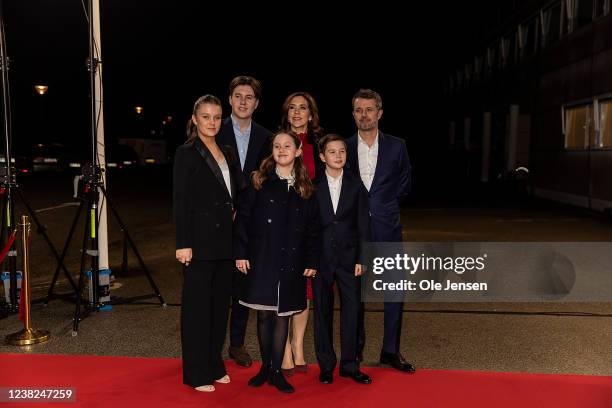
(310, 273)
(358, 270)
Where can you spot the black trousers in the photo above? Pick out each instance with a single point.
(239, 317)
(204, 312)
(392, 327)
(323, 297)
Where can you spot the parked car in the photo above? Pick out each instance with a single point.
(120, 157)
(48, 157)
(20, 164)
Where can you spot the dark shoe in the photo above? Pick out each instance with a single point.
(240, 356)
(301, 368)
(396, 361)
(288, 372)
(278, 380)
(326, 377)
(261, 377)
(357, 376)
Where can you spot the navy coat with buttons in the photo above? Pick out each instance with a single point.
(277, 231)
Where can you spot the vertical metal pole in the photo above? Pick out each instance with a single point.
(99, 108)
(9, 220)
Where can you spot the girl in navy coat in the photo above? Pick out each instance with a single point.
(275, 245)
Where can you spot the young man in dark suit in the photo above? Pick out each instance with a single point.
(381, 161)
(345, 225)
(252, 142)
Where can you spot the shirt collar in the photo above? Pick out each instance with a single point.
(360, 139)
(332, 179)
(237, 126)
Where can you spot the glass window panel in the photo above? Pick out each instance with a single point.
(555, 23)
(600, 8)
(584, 12)
(575, 126)
(605, 123)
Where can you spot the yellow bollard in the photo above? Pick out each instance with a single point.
(28, 335)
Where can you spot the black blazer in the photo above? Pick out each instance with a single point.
(203, 207)
(343, 233)
(259, 145)
(277, 231)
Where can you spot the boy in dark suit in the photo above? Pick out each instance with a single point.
(252, 143)
(345, 225)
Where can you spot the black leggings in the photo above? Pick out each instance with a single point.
(272, 331)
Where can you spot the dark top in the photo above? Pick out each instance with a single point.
(344, 232)
(391, 183)
(277, 231)
(203, 207)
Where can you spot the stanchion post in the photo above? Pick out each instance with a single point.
(28, 335)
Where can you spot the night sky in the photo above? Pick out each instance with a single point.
(164, 55)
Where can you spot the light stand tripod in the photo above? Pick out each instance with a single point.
(9, 186)
(93, 185)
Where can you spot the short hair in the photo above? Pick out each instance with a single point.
(327, 139)
(246, 80)
(368, 94)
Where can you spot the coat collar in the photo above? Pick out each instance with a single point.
(212, 163)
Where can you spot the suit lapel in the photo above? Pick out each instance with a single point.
(382, 150)
(211, 162)
(344, 192)
(355, 154)
(253, 148)
(327, 206)
(233, 163)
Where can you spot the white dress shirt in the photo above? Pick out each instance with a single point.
(335, 185)
(368, 157)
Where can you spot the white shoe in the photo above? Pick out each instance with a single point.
(224, 380)
(205, 388)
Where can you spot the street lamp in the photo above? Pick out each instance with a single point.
(138, 109)
(41, 89)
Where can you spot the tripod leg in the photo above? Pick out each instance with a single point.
(41, 229)
(63, 256)
(124, 260)
(77, 310)
(131, 243)
(8, 223)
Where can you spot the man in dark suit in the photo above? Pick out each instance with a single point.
(381, 161)
(252, 142)
(345, 225)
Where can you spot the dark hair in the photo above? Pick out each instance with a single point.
(192, 130)
(303, 184)
(246, 80)
(368, 94)
(313, 129)
(331, 137)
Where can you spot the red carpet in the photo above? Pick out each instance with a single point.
(155, 382)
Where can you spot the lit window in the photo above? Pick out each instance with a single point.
(605, 124)
(579, 130)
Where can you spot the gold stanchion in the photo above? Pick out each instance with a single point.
(28, 335)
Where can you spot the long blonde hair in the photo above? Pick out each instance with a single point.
(302, 185)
